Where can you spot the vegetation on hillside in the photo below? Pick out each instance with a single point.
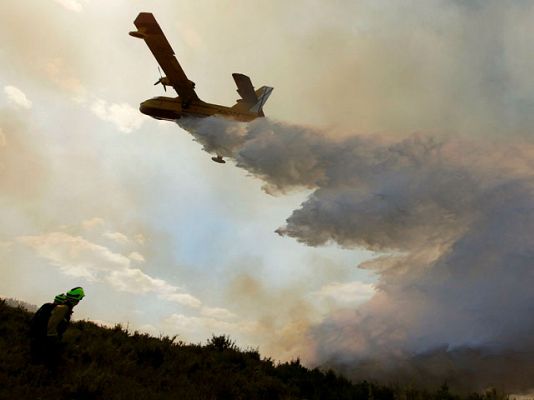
(100, 363)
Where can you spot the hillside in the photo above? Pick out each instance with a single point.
(100, 363)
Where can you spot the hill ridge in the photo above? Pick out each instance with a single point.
(113, 363)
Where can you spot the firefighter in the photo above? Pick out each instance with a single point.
(50, 322)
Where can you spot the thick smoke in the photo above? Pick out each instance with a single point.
(453, 221)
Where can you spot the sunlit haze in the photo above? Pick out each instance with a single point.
(382, 211)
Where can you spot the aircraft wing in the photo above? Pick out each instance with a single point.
(149, 30)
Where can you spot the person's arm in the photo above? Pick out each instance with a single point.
(58, 315)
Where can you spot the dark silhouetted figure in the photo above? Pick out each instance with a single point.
(48, 325)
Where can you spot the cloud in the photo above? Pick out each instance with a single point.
(117, 237)
(125, 117)
(197, 328)
(78, 257)
(5, 244)
(135, 256)
(140, 238)
(190, 36)
(17, 97)
(346, 294)
(134, 280)
(3, 139)
(24, 171)
(71, 5)
(59, 73)
(183, 298)
(92, 223)
(217, 313)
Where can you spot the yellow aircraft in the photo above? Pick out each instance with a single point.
(187, 104)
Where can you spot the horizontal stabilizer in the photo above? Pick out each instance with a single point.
(245, 88)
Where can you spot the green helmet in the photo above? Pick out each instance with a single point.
(75, 294)
(60, 299)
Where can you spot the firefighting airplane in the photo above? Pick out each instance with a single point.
(187, 104)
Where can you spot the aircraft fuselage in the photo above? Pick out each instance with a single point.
(171, 109)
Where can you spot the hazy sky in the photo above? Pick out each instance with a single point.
(96, 194)
(398, 139)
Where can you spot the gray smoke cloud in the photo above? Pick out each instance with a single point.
(453, 222)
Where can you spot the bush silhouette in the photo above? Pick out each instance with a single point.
(100, 363)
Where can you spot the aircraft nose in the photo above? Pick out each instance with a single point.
(143, 107)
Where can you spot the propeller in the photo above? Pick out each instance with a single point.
(161, 80)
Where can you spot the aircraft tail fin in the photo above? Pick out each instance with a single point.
(250, 100)
(263, 94)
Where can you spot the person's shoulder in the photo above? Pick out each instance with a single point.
(61, 308)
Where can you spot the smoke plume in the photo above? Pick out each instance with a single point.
(452, 221)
